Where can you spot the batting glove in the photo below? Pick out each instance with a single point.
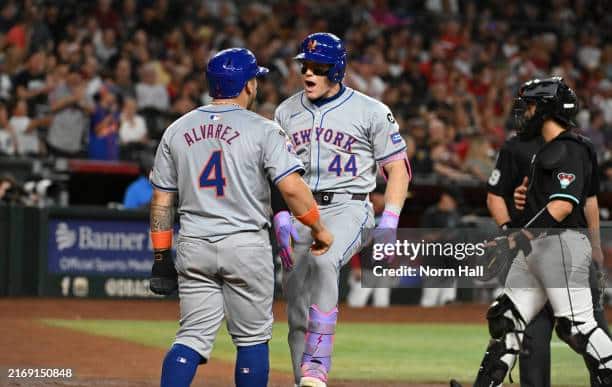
(164, 278)
(284, 230)
(386, 231)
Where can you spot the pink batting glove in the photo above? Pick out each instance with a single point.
(388, 220)
(284, 231)
(386, 232)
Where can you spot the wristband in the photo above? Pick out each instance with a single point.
(523, 243)
(506, 228)
(162, 240)
(310, 217)
(395, 210)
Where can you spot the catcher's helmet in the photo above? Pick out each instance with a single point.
(553, 99)
(230, 70)
(323, 47)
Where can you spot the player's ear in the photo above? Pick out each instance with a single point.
(251, 86)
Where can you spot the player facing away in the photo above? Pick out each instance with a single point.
(341, 136)
(551, 266)
(218, 159)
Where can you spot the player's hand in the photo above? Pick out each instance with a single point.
(598, 256)
(520, 194)
(386, 231)
(164, 278)
(323, 239)
(284, 230)
(599, 278)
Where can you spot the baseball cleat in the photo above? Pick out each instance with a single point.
(308, 381)
(454, 383)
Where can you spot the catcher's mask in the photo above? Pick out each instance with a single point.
(552, 98)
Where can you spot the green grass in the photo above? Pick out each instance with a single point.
(410, 352)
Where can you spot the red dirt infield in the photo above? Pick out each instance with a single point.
(102, 361)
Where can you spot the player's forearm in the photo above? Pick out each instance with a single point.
(497, 209)
(162, 211)
(296, 194)
(300, 201)
(591, 212)
(277, 201)
(397, 185)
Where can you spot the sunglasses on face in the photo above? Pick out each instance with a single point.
(317, 69)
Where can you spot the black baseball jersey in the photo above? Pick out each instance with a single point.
(563, 169)
(512, 165)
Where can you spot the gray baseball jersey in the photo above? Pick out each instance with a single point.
(219, 159)
(341, 141)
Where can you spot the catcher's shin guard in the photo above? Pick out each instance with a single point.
(506, 327)
(316, 361)
(590, 341)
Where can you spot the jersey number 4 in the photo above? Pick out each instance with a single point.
(212, 174)
(350, 166)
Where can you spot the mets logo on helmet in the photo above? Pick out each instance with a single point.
(565, 179)
(312, 45)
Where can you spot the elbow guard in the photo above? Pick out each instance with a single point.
(278, 203)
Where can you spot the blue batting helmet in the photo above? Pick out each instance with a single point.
(230, 70)
(323, 47)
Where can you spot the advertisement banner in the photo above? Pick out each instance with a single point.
(99, 247)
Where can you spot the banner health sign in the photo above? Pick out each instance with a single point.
(99, 248)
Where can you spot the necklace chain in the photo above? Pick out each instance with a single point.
(225, 103)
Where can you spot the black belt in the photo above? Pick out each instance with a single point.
(325, 198)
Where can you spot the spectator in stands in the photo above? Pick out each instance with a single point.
(132, 127)
(91, 76)
(32, 84)
(104, 132)
(138, 194)
(149, 93)
(446, 162)
(478, 161)
(133, 135)
(26, 130)
(71, 110)
(106, 45)
(6, 84)
(7, 183)
(423, 64)
(123, 78)
(596, 133)
(8, 140)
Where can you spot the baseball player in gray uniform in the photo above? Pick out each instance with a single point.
(341, 136)
(218, 160)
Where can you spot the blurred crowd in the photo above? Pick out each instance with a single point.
(102, 79)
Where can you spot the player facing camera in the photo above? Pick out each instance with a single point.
(323, 60)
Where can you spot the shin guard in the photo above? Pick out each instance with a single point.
(316, 361)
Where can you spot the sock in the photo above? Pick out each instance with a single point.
(179, 366)
(252, 366)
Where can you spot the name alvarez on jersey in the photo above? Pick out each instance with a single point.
(209, 132)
